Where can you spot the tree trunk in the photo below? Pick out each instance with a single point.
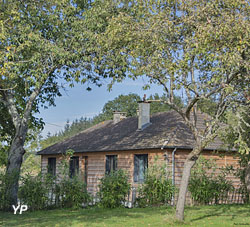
(247, 177)
(15, 159)
(189, 163)
(20, 119)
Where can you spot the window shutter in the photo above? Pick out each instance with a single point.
(115, 162)
(71, 168)
(136, 168)
(76, 165)
(107, 165)
(86, 170)
(145, 163)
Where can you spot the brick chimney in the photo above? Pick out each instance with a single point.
(118, 116)
(143, 115)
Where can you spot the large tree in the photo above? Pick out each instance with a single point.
(200, 48)
(42, 43)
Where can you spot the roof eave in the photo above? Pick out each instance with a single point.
(142, 148)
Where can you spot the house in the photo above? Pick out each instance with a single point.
(132, 144)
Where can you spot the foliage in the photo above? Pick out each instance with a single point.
(3, 154)
(34, 191)
(194, 39)
(238, 131)
(43, 192)
(200, 48)
(205, 185)
(122, 103)
(77, 126)
(113, 189)
(42, 46)
(207, 106)
(241, 172)
(5, 197)
(237, 136)
(31, 164)
(156, 107)
(157, 188)
(46, 191)
(72, 193)
(129, 104)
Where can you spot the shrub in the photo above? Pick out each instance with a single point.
(157, 188)
(5, 182)
(42, 192)
(241, 173)
(206, 187)
(113, 189)
(72, 193)
(36, 191)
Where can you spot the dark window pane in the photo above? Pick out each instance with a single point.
(73, 166)
(52, 166)
(140, 167)
(111, 163)
(136, 168)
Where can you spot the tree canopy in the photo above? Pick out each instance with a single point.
(41, 43)
(198, 47)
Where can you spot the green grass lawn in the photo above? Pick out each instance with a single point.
(220, 215)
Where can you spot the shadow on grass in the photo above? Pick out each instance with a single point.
(228, 210)
(83, 217)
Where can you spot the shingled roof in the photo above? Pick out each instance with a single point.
(167, 129)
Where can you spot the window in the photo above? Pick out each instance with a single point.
(52, 166)
(111, 163)
(73, 166)
(140, 166)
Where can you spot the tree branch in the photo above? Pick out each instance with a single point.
(10, 104)
(191, 105)
(6, 89)
(30, 102)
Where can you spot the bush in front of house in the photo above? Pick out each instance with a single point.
(37, 191)
(72, 193)
(241, 173)
(157, 188)
(43, 192)
(205, 185)
(114, 189)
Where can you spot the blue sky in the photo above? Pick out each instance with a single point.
(77, 102)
